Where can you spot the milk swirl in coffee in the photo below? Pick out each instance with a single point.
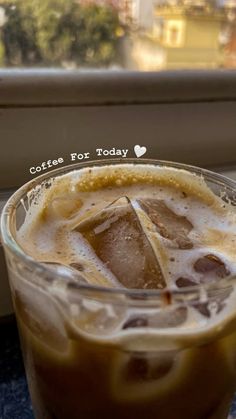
(136, 227)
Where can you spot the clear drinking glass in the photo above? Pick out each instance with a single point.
(93, 352)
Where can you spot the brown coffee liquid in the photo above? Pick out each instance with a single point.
(130, 227)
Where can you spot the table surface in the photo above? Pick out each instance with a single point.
(14, 396)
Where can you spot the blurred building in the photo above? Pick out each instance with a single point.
(143, 13)
(185, 34)
(229, 33)
(229, 4)
(137, 13)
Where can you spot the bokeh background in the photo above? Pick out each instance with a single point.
(146, 35)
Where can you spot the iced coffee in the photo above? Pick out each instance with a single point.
(124, 291)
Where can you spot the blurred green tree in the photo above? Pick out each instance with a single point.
(18, 37)
(59, 32)
(96, 33)
(54, 44)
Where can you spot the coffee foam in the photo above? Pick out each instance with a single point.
(48, 237)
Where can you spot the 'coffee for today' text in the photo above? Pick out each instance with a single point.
(100, 152)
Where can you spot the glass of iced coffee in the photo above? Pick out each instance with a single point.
(123, 282)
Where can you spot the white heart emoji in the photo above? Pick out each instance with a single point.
(139, 151)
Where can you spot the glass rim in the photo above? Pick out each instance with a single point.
(137, 295)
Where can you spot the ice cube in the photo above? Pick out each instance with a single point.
(212, 307)
(97, 318)
(72, 272)
(165, 318)
(65, 206)
(215, 297)
(141, 368)
(211, 264)
(182, 282)
(168, 317)
(218, 297)
(146, 376)
(169, 225)
(135, 322)
(203, 308)
(40, 314)
(119, 241)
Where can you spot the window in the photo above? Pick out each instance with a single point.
(118, 34)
